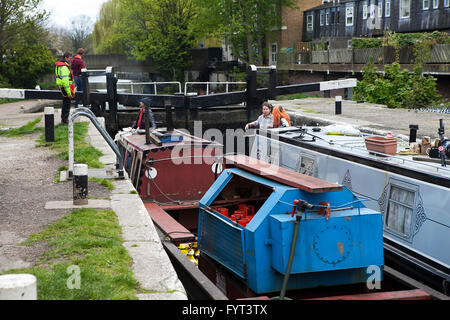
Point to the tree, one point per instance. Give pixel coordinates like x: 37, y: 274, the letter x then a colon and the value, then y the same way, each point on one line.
x: 104, y: 34
x: 158, y: 29
x: 23, y: 43
x: 80, y: 32
x: 16, y: 16
x: 243, y: 23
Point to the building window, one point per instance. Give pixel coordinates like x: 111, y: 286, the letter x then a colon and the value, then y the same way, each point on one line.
x: 380, y: 8
x: 321, y: 18
x: 372, y: 11
x: 435, y: 4
x: 364, y: 11
x: 309, y: 22
x: 405, y: 9
x: 399, y: 211
x: 327, y: 18
x: 446, y: 3
x: 349, y: 16
x: 273, y: 53
x: 426, y: 4
x: 387, y: 8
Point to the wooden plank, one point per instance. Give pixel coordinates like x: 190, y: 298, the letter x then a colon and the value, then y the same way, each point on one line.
x: 415, y: 294
x: 168, y: 225
x: 282, y: 175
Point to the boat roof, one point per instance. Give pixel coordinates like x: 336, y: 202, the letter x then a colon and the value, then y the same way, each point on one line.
x: 355, y: 145
x: 138, y: 141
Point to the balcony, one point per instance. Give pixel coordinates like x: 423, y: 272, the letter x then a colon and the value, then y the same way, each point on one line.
x: 353, y: 60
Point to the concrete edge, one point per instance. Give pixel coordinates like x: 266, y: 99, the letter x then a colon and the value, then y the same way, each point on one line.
x: 151, y: 265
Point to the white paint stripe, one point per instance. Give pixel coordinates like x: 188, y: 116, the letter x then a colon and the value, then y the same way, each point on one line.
x: 12, y: 93
x: 80, y: 169
x: 337, y: 84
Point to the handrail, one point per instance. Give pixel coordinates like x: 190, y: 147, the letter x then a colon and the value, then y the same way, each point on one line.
x: 155, y: 83
x: 211, y: 82
x: 83, y: 111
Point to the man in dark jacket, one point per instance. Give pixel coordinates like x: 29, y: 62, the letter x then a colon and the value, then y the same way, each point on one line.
x: 76, y: 66
x: 140, y: 121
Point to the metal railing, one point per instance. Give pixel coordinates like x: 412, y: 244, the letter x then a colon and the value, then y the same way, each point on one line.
x: 208, y: 83
x: 155, y: 84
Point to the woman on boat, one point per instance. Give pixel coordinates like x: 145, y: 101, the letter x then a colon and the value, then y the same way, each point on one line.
x: 264, y: 121
x: 280, y: 117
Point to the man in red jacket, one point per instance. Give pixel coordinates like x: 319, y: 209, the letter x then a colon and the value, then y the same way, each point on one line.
x: 76, y: 66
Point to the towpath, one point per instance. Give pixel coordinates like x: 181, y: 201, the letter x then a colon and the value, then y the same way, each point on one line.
x: 31, y: 199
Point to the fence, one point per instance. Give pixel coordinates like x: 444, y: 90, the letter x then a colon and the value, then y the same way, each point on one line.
x: 440, y: 54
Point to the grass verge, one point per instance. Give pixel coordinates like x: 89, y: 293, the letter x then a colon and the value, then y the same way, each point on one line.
x: 29, y: 128
x: 85, y: 259
x: 83, y: 152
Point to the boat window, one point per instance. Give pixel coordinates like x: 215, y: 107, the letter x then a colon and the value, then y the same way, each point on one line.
x: 305, y: 165
x: 399, y: 212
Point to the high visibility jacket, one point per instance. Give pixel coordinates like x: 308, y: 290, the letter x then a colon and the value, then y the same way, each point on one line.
x: 64, y: 78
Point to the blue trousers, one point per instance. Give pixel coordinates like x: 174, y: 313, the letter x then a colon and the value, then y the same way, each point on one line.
x: 79, y: 84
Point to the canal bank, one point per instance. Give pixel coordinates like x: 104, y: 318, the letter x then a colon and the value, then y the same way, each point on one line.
x: 31, y: 199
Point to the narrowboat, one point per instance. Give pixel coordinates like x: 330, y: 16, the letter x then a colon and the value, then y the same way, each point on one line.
x: 413, y: 195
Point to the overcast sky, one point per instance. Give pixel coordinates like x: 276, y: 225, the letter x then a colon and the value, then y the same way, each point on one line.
x: 63, y: 12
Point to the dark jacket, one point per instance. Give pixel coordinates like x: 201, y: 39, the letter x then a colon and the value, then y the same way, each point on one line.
x: 77, y: 65
x: 140, y: 120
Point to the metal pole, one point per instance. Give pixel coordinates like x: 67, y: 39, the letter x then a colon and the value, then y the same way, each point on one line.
x: 49, y: 113
x: 251, y: 92
x: 71, y: 151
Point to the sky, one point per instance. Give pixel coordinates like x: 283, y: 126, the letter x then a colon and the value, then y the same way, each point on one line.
x: 63, y: 12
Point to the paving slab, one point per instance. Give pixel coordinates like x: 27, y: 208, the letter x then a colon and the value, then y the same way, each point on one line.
x: 92, y: 204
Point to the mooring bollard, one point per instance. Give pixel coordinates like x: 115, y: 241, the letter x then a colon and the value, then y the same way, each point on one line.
x: 338, y: 105
x: 80, y: 184
x: 18, y: 287
x: 49, y: 113
x: 413, y: 132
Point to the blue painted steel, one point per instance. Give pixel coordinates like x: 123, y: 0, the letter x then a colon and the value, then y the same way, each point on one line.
x: 328, y: 252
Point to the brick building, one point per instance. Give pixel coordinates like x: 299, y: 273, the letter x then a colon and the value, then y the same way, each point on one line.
x: 291, y: 29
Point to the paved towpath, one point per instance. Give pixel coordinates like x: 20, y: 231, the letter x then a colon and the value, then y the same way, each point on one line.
x: 30, y: 199
x: 367, y: 116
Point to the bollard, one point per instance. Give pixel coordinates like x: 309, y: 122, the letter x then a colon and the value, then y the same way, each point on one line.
x: 18, y: 287
x: 80, y: 184
x: 413, y: 132
x: 338, y: 105
x: 49, y: 113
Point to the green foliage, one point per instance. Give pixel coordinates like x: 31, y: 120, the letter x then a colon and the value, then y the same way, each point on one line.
x: 243, y: 24
x: 365, y: 43
x: 24, y: 65
x: 397, y: 88
x: 161, y: 30
x: 83, y: 152
x: 23, y: 43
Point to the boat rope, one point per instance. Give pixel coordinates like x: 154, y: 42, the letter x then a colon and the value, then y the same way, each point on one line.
x: 339, y: 207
